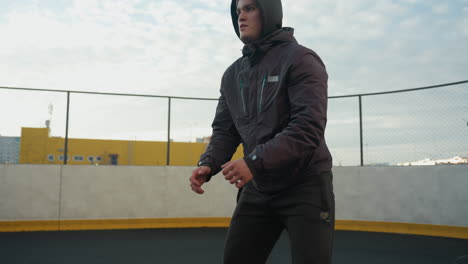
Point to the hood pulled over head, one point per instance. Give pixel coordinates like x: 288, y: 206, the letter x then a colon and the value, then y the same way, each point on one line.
x: 272, y: 15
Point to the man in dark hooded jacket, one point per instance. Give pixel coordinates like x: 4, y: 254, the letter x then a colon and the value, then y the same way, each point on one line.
x: 273, y: 101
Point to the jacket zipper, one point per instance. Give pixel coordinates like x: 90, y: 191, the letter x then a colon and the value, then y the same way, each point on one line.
x: 242, y: 95
x: 261, y: 94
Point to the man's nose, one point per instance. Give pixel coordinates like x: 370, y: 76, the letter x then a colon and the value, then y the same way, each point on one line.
x: 241, y: 17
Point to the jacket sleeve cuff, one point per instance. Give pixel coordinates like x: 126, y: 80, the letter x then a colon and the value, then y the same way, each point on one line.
x: 207, y: 165
x: 251, y: 164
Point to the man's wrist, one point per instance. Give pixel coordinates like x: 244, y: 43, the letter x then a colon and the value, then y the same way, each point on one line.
x: 250, y: 163
x: 206, y: 164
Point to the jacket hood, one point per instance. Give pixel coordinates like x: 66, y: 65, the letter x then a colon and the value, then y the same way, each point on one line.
x: 272, y: 15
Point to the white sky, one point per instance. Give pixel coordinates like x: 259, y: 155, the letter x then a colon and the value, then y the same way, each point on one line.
x: 182, y: 47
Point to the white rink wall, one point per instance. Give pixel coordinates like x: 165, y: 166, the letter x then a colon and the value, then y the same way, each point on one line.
x: 425, y: 195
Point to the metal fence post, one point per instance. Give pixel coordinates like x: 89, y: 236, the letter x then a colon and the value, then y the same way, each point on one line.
x: 168, y: 151
x: 65, y: 154
x: 360, y: 130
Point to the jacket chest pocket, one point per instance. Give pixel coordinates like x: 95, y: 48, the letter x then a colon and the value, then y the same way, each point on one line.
x: 269, y: 89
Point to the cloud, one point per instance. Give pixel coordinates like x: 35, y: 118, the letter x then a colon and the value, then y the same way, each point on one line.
x: 441, y: 8
x: 167, y: 46
x: 97, y: 45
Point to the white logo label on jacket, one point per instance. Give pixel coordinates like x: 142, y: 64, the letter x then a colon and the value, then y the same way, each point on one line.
x: 273, y: 78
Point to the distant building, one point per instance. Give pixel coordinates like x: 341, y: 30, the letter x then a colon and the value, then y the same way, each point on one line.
x: 381, y: 164
x: 38, y: 147
x: 424, y: 162
x: 203, y: 140
x: 454, y: 160
x: 9, y: 150
x: 428, y: 162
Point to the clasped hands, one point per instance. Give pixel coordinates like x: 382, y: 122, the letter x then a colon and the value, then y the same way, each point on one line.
x: 236, y: 172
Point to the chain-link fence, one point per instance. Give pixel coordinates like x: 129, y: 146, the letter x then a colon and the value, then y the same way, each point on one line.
x: 429, y: 123
x: 73, y: 127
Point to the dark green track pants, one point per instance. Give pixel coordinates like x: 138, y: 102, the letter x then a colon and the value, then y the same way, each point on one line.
x: 306, y: 212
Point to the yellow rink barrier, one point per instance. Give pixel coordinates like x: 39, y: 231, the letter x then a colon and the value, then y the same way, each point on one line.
x: 403, y: 228
x: 105, y: 224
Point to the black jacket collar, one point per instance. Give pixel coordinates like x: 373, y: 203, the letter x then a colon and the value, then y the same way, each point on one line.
x: 257, y: 49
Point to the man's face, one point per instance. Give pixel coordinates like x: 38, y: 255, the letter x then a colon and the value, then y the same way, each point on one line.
x: 249, y: 21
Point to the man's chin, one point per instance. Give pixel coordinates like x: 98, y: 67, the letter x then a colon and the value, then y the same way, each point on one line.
x: 245, y: 39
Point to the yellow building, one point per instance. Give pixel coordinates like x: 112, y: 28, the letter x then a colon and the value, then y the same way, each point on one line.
x: 37, y: 147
